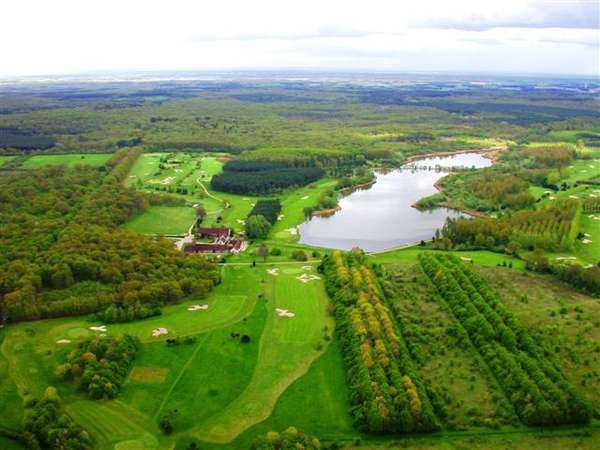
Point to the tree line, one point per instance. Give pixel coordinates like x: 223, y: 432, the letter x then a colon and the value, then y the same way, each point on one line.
x: 387, y: 393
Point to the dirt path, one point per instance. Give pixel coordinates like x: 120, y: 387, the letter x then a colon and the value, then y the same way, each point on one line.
x: 208, y: 194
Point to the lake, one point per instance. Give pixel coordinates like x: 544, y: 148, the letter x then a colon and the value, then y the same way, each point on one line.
x: 381, y: 217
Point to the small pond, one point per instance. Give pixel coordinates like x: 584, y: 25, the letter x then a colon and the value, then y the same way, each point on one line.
x: 381, y: 217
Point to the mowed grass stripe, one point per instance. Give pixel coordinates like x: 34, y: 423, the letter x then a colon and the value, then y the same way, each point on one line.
x: 110, y: 421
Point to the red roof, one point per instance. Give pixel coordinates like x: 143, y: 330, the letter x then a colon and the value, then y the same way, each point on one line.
x: 217, y: 232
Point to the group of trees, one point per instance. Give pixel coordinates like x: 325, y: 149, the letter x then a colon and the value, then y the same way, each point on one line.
x: 387, y: 393
x: 582, y: 278
x: 119, y: 313
x: 553, y: 228
x: 262, y: 217
x: 290, y: 439
x: 262, y: 177
x: 99, y: 365
x: 48, y: 427
x: 269, y: 209
x: 523, y: 366
x: 62, y: 251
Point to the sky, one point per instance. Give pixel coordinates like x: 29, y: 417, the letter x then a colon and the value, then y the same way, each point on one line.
x: 41, y: 37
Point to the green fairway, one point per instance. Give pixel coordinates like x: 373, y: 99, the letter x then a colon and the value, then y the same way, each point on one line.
x: 87, y: 159
x: 287, y: 348
x: 163, y: 220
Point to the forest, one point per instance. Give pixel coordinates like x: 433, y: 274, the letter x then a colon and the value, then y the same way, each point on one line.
x: 64, y: 253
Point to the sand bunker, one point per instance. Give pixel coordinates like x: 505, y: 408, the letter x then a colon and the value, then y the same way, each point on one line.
x: 305, y: 197
x: 562, y: 258
x: 241, y: 222
x: 586, y: 241
x: 292, y: 230
x: 305, y: 277
x: 158, y: 331
x: 167, y: 180
x: 284, y: 313
x: 306, y: 267
x: 63, y: 341
x: 101, y: 328
x: 464, y: 258
x: 573, y: 196
x: 197, y: 308
x: 552, y: 198
x: 280, y: 216
x: 274, y: 271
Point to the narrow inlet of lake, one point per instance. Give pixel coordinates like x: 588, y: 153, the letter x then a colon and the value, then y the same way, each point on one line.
x: 381, y: 217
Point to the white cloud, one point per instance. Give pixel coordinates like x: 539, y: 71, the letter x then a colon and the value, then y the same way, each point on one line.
x: 62, y: 36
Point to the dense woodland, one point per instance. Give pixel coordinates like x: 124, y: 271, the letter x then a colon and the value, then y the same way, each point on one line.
x: 252, y: 177
x: 63, y: 253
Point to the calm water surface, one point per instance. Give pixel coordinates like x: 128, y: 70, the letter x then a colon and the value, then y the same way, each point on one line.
x: 382, y: 217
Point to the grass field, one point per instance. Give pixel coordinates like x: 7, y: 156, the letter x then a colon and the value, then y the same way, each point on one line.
x: 163, y: 220
x: 5, y: 159
x: 88, y: 159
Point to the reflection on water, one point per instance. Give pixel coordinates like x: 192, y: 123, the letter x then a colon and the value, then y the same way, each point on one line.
x: 382, y: 217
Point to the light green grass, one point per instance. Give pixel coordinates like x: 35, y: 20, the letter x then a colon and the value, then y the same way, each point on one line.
x: 163, y: 220
x: 86, y: 159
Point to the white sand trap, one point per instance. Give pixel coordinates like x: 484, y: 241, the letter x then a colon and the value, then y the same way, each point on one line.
x: 588, y: 266
x: 274, y: 271
x: 586, y: 241
x: 593, y: 195
x: 464, y: 258
x: 284, y: 313
x: 305, y: 277
x: 197, y: 308
x: 292, y: 230
x: 63, y: 341
x: 561, y: 258
x: 552, y: 198
x: 306, y: 267
x: 305, y: 197
x: 158, y: 331
x: 547, y: 192
x: 573, y: 196
x: 241, y: 222
x: 587, y: 234
x: 101, y: 328
x: 280, y: 216
x: 591, y: 166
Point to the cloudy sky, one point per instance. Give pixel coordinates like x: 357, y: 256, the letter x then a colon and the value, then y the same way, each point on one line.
x: 519, y: 36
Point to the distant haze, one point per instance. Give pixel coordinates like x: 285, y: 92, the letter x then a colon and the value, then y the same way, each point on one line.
x: 518, y: 36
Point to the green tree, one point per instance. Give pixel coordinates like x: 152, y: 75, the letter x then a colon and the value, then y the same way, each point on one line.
x: 257, y: 227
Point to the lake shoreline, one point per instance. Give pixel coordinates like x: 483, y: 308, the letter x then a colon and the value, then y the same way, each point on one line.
x: 490, y: 153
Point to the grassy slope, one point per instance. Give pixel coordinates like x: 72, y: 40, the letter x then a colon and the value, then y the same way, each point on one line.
x: 90, y: 159
x: 163, y: 220
x: 4, y: 159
